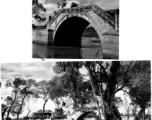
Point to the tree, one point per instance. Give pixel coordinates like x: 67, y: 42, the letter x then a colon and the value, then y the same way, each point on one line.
x: 12, y: 106
x: 43, y: 93
x: 73, y: 4
x: 107, y: 78
x: 36, y: 9
x: 34, y: 2
x: 28, y: 97
x: 16, y: 107
x: 118, y: 76
x: 72, y: 85
x: 16, y: 86
x: 64, y: 2
x: 62, y: 5
x: 58, y: 4
x: 26, y: 91
x: 56, y: 92
x: 140, y: 92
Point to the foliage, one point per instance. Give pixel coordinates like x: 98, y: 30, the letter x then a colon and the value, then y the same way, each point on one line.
x: 73, y: 4
x: 56, y: 89
x: 62, y: 5
x: 140, y: 91
x: 73, y: 85
x: 41, y: 89
x: 37, y: 8
x: 24, y: 93
x: 59, y: 113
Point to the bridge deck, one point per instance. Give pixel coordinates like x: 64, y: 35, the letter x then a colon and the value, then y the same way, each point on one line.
x: 99, y: 11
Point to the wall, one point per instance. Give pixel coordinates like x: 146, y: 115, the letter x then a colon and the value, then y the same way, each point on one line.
x: 40, y: 36
x: 110, y: 46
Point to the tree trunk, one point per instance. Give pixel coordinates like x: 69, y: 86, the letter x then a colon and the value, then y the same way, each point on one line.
x: 94, y: 93
x: 28, y: 114
x: 103, y: 104
x: 11, y: 106
x: 112, y: 112
x: 21, y: 107
x: 3, y: 113
x: 9, y: 110
x: 143, y: 113
x: 139, y: 115
x: 44, y: 108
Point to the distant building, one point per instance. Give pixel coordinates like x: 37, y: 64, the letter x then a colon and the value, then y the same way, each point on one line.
x: 38, y: 115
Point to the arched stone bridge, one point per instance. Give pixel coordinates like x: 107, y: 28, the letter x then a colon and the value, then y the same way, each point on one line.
x: 67, y: 26
x: 83, y: 115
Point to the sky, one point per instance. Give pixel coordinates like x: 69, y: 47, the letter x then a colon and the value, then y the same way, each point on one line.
x: 37, y: 71
x: 105, y: 4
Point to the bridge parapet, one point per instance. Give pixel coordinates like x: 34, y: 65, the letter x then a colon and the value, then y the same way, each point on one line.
x: 70, y: 10
x: 104, y: 15
x: 96, y: 9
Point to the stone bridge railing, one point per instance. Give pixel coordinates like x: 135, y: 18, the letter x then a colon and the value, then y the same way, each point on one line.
x: 96, y: 9
x: 104, y: 15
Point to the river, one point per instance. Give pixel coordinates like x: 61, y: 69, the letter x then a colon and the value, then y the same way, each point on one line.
x: 87, y: 52
x: 90, y: 49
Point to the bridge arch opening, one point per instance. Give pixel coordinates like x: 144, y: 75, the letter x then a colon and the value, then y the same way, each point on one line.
x: 89, y: 114
x: 70, y: 32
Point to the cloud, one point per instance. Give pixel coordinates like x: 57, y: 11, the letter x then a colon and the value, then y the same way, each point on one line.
x: 104, y: 3
x: 35, y: 71
x: 108, y: 4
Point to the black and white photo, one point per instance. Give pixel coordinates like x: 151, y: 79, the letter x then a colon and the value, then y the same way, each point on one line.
x: 97, y: 90
x: 76, y: 29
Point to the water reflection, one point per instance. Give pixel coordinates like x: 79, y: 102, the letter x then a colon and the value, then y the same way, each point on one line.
x: 41, y: 51
x: 90, y: 47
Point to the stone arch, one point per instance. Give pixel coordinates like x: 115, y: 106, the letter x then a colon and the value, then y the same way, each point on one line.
x: 68, y: 26
x: 84, y: 114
